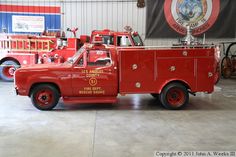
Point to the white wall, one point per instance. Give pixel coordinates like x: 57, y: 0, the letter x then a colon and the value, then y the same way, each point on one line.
x: 88, y: 15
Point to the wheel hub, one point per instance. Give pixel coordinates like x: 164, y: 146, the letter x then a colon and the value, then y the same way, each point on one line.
x: 12, y: 70
x: 175, y: 97
x: 44, y: 98
x: 9, y: 71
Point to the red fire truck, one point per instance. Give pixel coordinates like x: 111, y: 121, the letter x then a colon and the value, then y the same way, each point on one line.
x: 21, y: 50
x: 97, y: 73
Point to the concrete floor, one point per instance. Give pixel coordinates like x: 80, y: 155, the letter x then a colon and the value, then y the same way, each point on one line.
x: 134, y: 127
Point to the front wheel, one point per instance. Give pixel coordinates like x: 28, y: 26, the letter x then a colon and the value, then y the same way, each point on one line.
x: 174, y: 96
x: 7, y: 70
x: 45, y: 97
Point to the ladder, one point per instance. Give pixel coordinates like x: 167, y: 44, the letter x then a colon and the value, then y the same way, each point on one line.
x: 26, y: 45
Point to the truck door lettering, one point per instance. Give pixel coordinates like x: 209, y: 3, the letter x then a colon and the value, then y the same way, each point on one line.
x: 92, y: 90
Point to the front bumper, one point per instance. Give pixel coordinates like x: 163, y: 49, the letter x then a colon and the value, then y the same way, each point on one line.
x: 16, y: 90
x: 20, y: 91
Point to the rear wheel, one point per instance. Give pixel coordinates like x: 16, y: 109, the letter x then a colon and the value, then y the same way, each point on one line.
x: 226, y: 67
x: 8, y: 69
x: 174, y: 96
x: 45, y: 97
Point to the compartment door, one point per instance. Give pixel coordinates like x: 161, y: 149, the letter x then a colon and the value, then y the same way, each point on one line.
x: 136, y: 71
x: 205, y: 73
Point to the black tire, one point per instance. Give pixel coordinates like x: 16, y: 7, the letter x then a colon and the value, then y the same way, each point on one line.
x: 174, y: 96
x: 226, y: 67
x: 7, y: 70
x: 44, y: 97
x: 155, y: 95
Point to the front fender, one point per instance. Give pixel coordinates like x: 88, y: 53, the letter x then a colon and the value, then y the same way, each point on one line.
x: 63, y: 83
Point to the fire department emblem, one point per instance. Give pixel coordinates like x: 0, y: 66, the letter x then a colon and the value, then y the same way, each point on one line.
x: 199, y: 14
x: 93, y: 81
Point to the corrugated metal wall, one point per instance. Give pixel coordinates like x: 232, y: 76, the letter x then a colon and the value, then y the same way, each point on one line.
x: 88, y: 15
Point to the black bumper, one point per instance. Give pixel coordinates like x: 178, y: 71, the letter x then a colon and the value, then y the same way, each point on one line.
x: 16, y: 90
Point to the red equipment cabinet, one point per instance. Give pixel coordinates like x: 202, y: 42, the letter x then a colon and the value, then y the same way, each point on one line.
x: 168, y: 73
x: 21, y: 50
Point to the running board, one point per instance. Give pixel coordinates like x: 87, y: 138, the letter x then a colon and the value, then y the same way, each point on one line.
x: 74, y: 100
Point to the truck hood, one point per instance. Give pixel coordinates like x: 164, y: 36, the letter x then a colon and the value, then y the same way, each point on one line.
x: 44, y: 67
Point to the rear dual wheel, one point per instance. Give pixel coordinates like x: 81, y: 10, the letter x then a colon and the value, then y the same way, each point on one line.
x: 174, y: 96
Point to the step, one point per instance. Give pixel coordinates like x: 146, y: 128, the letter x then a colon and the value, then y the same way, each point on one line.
x: 74, y: 100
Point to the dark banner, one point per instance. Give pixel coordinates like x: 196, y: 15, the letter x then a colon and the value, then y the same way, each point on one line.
x: 169, y: 18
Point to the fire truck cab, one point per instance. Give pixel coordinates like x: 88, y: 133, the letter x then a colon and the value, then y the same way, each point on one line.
x: 97, y: 73
x: 119, y: 39
x: 53, y: 47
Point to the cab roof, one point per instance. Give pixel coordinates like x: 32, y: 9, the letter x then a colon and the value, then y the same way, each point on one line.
x: 109, y: 32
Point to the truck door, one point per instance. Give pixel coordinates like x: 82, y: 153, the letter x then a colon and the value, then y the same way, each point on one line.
x: 95, y: 74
